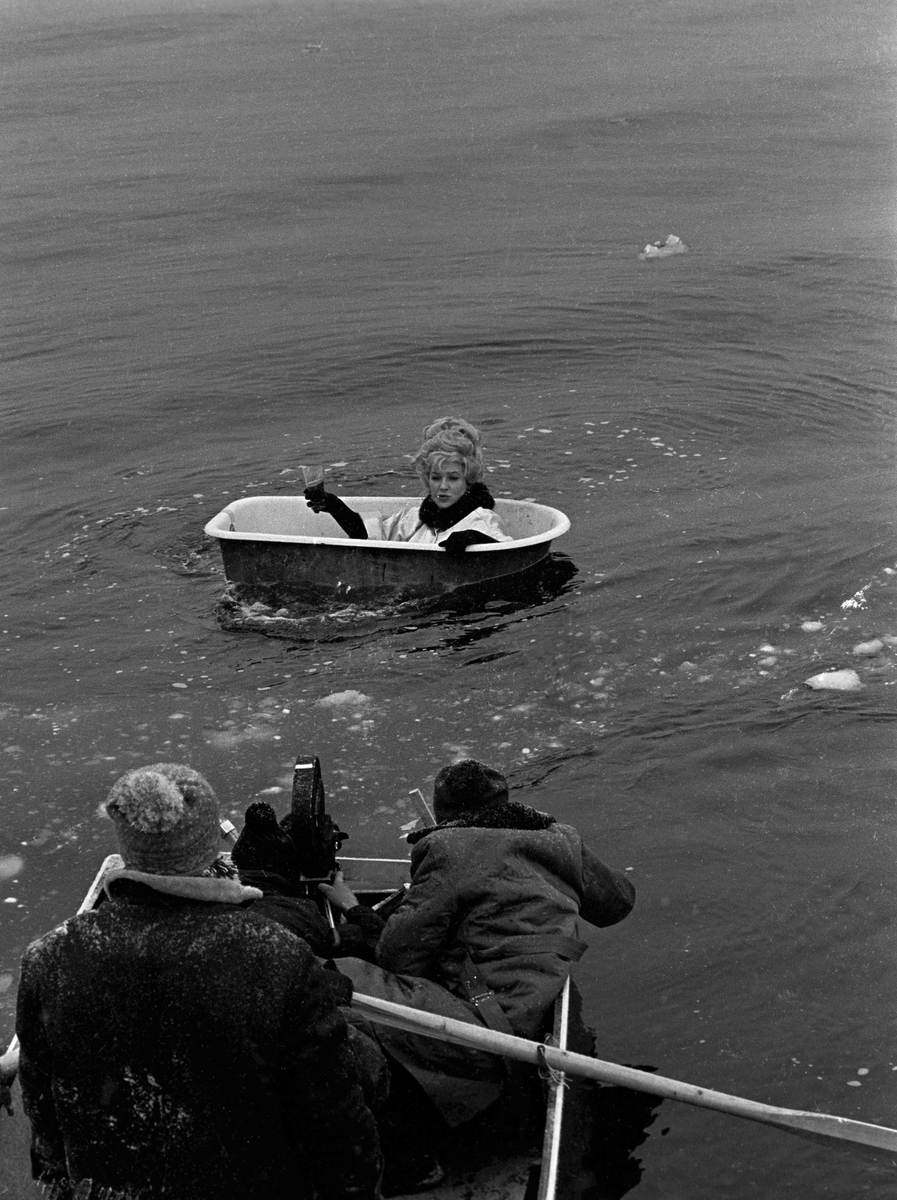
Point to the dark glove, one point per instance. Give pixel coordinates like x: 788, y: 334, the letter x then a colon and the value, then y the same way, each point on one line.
x: 457, y: 543
x: 318, y: 499
x: 347, y: 519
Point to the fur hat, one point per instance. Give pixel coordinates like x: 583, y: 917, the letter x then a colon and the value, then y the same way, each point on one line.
x: 166, y: 819
x: 466, y: 786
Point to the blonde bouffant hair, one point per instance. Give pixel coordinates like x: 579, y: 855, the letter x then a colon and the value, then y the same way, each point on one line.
x: 450, y: 438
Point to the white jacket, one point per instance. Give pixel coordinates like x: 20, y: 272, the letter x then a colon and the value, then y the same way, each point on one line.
x: 406, y: 526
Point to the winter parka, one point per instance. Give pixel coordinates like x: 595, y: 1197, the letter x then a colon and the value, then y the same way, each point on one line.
x: 504, y: 885
x: 178, y: 1049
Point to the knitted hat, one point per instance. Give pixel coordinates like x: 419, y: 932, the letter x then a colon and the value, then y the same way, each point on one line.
x: 166, y: 819
x: 466, y: 786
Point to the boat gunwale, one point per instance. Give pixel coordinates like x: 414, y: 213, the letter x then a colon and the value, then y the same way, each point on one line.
x: 211, y: 529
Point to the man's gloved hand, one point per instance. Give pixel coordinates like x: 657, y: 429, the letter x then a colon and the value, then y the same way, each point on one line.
x: 457, y: 543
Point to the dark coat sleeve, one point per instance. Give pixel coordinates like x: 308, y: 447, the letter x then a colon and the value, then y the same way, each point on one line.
x: 351, y: 522
x: 608, y: 895
x: 360, y: 933
x: 414, y: 936
x: 302, y: 917
x: 36, y: 1079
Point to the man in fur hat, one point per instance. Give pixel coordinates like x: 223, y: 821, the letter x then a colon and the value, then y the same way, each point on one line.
x: 487, y: 932
x: 174, y: 1044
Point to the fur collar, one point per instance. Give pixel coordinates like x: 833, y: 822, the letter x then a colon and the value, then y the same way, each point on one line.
x: 187, y: 887
x: 506, y: 815
x: 440, y: 519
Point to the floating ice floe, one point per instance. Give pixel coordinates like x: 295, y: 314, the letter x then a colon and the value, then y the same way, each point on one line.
x: 11, y: 865
x: 337, y: 699
x: 233, y: 736
x: 836, y: 681
x: 869, y: 649
x: 663, y: 249
x: 811, y: 626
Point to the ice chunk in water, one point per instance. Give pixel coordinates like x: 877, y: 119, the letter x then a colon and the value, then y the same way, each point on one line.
x: 869, y: 649
x: 838, y: 681
x: 11, y: 865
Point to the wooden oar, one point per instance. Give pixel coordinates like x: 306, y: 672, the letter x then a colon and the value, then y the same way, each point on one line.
x: 476, y: 1037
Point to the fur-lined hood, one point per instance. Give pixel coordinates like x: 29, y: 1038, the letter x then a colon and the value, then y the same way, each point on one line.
x: 509, y: 814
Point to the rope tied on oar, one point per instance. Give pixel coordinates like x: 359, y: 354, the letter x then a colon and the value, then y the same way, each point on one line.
x: 546, y: 1071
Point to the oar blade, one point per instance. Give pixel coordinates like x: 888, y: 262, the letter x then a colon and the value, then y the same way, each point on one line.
x: 822, y: 1127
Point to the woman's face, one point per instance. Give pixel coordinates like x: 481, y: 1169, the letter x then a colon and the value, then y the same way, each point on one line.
x: 447, y: 482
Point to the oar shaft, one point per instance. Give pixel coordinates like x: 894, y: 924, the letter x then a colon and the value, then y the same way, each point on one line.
x: 421, y: 805
x: 475, y: 1037
x: 400, y: 862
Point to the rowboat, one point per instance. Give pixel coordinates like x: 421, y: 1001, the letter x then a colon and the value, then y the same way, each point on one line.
x: 506, y: 1171
x: 499, y: 1165
x: 277, y: 541
x: 505, y: 1166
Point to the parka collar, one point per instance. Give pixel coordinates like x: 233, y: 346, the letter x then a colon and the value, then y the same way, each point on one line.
x: 506, y: 815
x: 186, y: 887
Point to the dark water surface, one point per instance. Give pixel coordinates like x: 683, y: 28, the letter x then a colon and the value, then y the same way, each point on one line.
x: 238, y: 236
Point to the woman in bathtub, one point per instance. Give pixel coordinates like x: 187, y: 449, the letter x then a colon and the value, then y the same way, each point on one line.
x: 458, y: 509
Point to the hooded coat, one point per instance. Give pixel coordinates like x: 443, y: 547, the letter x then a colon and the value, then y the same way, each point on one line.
x: 179, y: 1049
x: 502, y: 887
x: 506, y: 886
